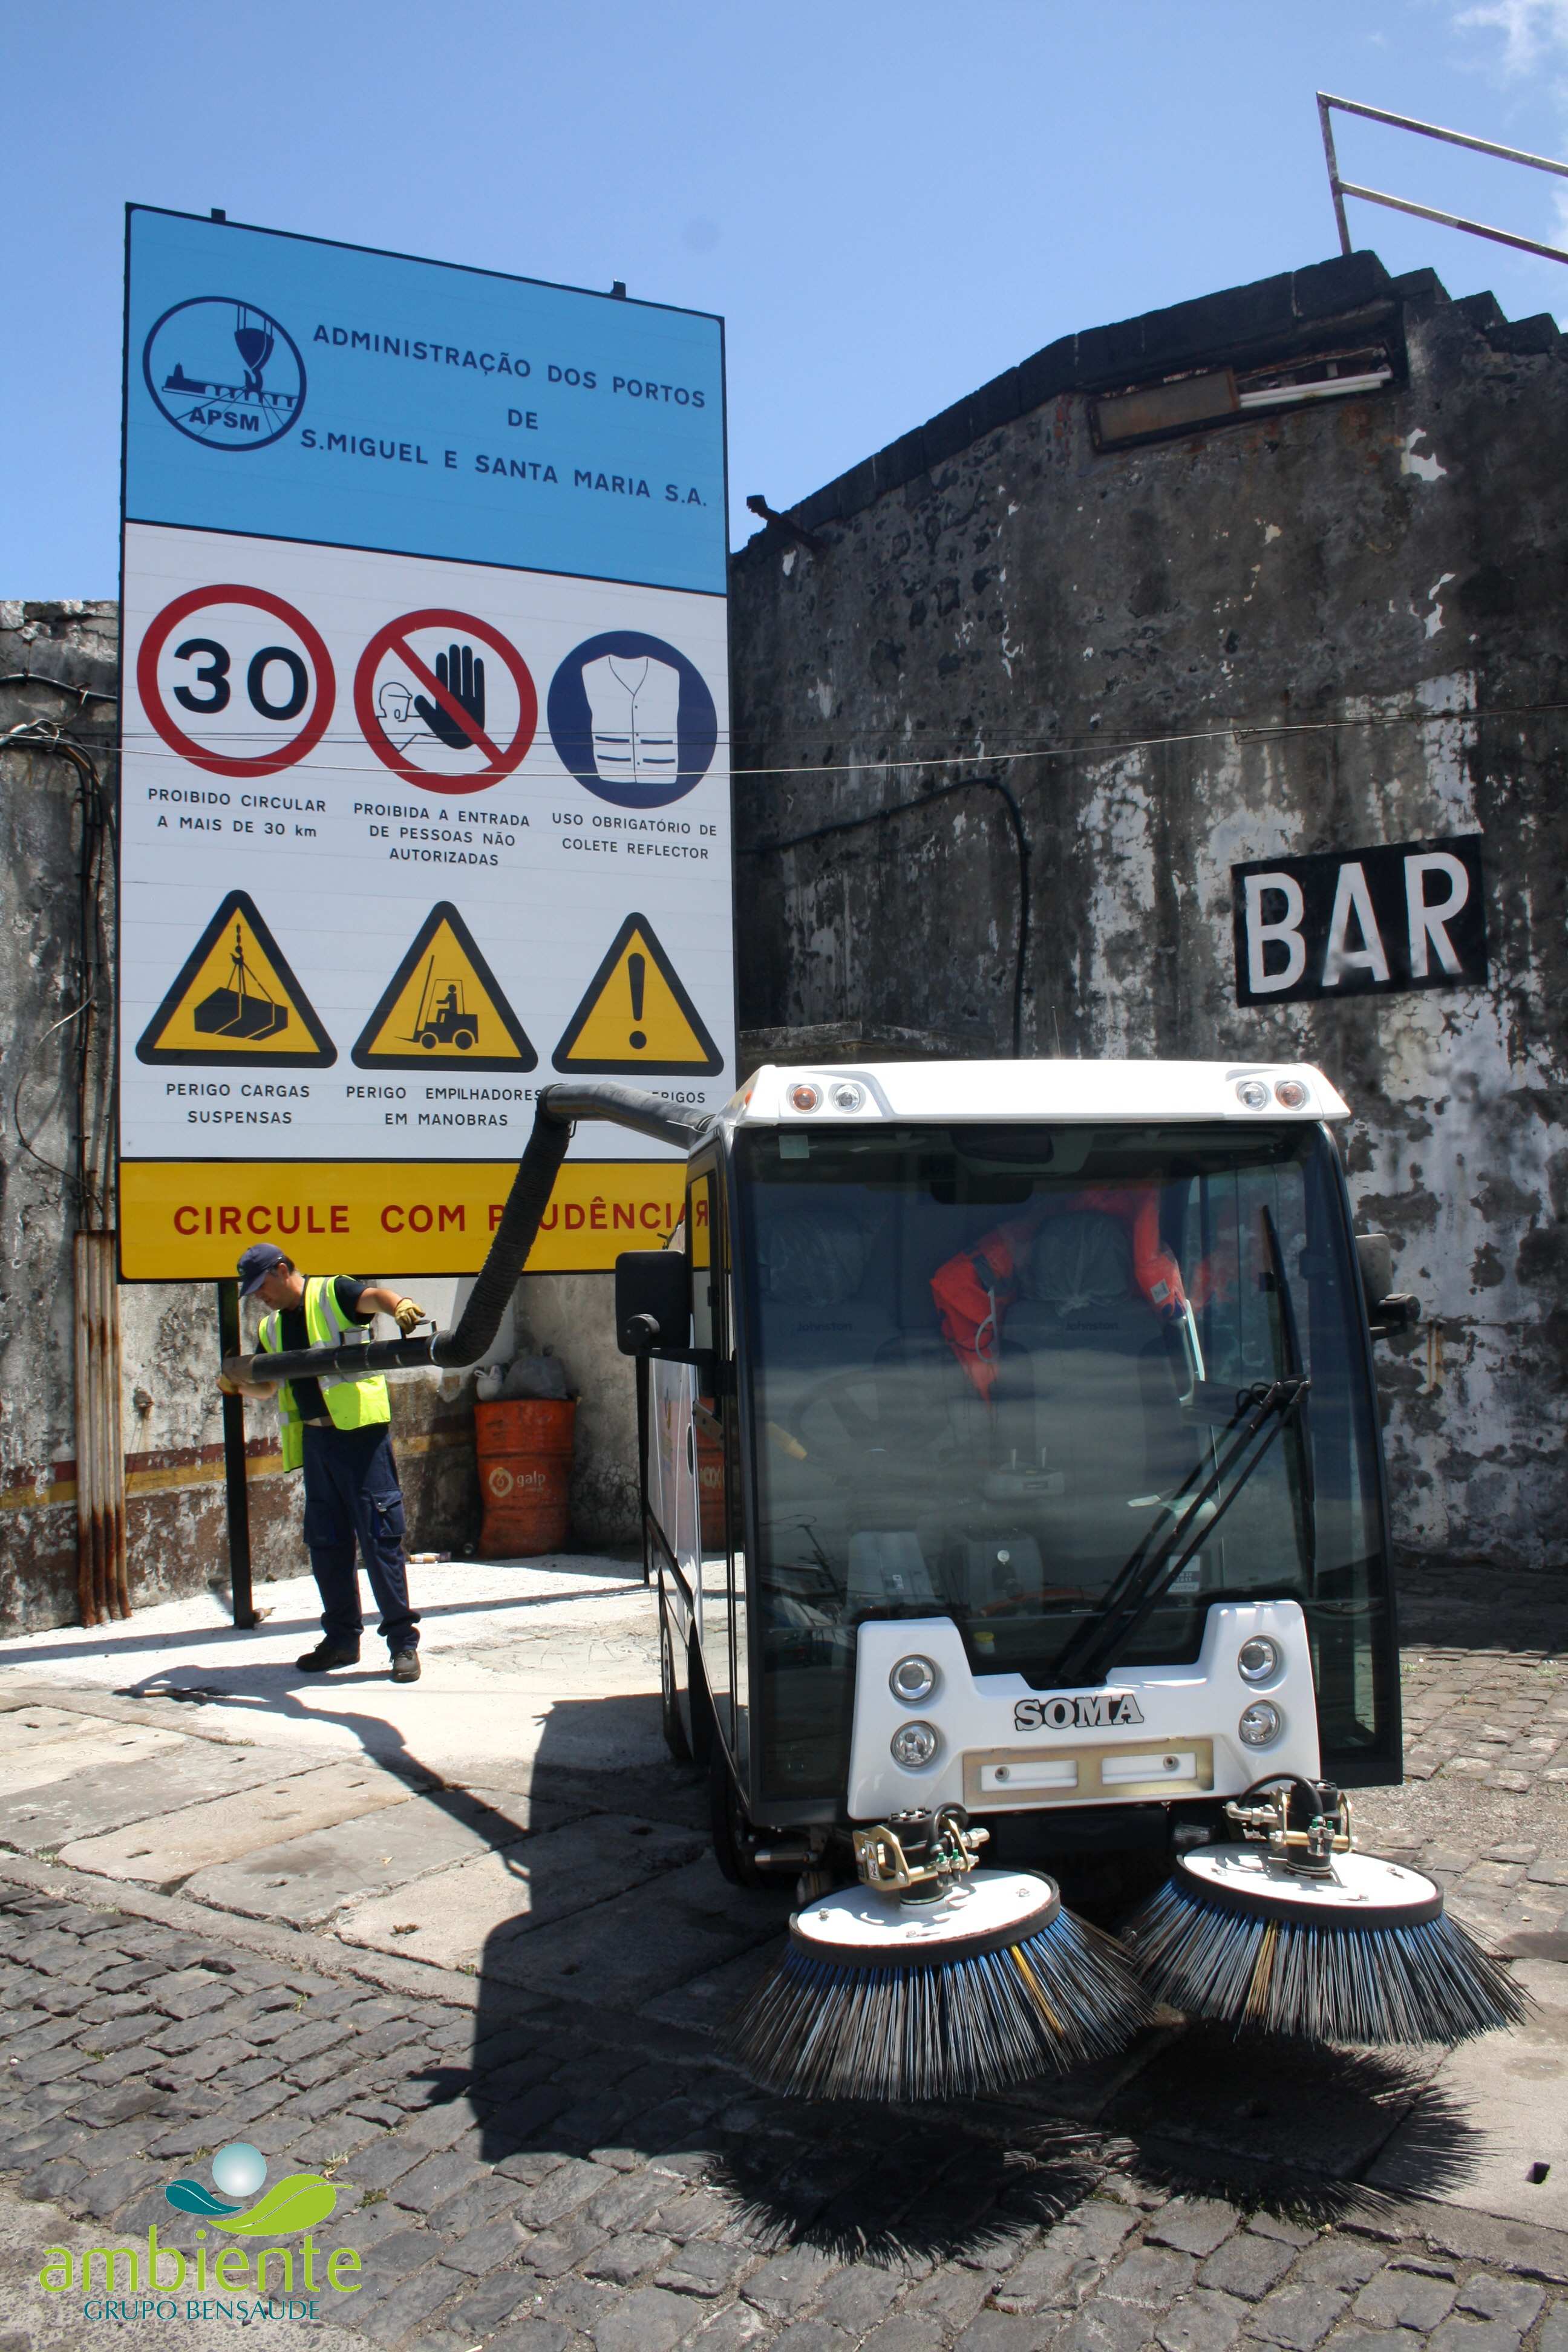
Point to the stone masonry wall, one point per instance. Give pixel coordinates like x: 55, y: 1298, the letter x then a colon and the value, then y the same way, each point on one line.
x: 1319, y: 629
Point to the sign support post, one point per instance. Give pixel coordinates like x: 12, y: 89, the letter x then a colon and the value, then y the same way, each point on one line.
x: 236, y: 1493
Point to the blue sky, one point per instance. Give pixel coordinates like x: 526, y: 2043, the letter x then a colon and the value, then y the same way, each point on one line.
x: 888, y: 200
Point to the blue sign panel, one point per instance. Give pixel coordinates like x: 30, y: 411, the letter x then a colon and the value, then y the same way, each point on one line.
x: 287, y: 388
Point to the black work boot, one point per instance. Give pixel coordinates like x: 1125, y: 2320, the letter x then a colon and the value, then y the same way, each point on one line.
x: 406, y: 1665
x: 325, y: 1656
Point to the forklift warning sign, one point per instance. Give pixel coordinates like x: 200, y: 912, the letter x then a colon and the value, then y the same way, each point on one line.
x: 444, y: 1007
x: 424, y: 786
x: 234, y: 999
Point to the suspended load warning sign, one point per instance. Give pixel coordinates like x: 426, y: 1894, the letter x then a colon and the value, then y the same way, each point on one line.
x: 444, y: 1004
x: 636, y: 1016
x: 235, y: 1000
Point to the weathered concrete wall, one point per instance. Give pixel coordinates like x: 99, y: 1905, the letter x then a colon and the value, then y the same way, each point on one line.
x: 176, y: 1532
x: 173, y: 1437
x: 1383, y: 574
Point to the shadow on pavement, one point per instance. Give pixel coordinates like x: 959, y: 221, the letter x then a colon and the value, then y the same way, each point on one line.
x: 1294, y: 2125
x: 1471, y: 1603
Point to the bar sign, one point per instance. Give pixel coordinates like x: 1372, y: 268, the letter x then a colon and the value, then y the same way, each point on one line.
x: 1360, y: 922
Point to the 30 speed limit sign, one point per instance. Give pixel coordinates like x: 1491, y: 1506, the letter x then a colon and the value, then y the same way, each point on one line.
x: 235, y: 680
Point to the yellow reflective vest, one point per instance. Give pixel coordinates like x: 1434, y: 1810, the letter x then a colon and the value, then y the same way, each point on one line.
x: 354, y: 1401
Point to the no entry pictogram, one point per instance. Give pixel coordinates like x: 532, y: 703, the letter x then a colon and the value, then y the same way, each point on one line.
x: 279, y: 685
x: 464, y: 726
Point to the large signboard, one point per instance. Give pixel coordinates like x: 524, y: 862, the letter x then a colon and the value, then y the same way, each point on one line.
x: 425, y: 778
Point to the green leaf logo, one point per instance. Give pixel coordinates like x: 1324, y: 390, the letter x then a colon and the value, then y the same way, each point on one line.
x: 297, y: 2203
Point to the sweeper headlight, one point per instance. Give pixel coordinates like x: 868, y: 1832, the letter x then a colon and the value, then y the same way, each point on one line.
x: 913, y: 1744
x: 1257, y: 1660
x: 1260, y: 1724
x: 846, y: 1095
x: 1252, y: 1094
x: 912, y: 1679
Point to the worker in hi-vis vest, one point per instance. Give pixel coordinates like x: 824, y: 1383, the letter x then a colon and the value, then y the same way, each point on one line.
x: 337, y: 1429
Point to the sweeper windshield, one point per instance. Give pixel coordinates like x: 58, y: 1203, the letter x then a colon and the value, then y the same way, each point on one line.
x: 980, y: 1358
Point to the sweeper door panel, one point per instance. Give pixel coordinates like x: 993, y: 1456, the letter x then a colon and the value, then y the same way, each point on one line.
x: 715, y: 1443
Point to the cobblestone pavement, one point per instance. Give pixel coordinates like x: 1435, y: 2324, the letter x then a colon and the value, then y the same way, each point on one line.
x: 1485, y: 1804
x: 528, y: 2172
x: 514, y: 2176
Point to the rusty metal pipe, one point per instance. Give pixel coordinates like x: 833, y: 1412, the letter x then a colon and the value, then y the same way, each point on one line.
x: 102, y: 1585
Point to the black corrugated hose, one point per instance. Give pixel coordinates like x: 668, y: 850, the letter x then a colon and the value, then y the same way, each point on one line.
x: 555, y: 1113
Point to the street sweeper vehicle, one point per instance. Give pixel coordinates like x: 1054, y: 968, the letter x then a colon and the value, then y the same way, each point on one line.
x: 1013, y: 1490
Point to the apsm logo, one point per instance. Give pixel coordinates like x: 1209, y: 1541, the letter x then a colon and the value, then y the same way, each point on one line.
x: 217, y: 2281
x: 189, y: 361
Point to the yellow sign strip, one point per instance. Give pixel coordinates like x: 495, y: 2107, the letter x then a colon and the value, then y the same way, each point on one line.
x: 188, y: 1221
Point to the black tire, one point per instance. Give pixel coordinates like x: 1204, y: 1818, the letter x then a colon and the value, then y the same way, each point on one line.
x: 729, y: 1825
x: 675, y: 1738
x: 700, y: 1705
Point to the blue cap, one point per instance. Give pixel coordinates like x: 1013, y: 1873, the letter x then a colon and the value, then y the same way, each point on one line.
x: 255, y: 1264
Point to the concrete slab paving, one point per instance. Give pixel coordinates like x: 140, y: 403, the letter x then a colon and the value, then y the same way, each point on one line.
x: 1513, y: 2089
x: 556, y: 1656
x: 85, y: 1805
x: 167, y: 1849
x: 621, y: 1953
x: 305, y: 1879
x: 26, y: 1727
x: 461, y: 1918
x: 39, y: 1820
x: 57, y: 1746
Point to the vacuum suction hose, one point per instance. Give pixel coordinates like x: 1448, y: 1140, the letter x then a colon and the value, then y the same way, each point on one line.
x: 558, y: 1108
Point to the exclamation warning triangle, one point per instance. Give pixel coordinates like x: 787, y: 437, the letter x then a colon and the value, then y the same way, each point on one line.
x: 444, y: 1007
x: 236, y: 1000
x: 635, y: 1014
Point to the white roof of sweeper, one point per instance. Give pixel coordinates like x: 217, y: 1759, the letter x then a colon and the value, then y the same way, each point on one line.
x: 1036, y: 1092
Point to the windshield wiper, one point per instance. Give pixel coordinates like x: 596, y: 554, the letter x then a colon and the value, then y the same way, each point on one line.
x: 1154, y: 1564
x: 1290, y: 1337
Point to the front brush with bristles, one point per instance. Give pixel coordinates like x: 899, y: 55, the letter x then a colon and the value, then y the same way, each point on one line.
x: 1367, y: 1955
x: 878, y: 2000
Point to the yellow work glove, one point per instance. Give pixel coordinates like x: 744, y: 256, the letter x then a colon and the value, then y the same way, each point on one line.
x: 229, y: 1388
x: 405, y: 1314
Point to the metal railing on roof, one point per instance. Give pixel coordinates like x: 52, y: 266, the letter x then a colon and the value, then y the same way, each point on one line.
x: 1340, y: 189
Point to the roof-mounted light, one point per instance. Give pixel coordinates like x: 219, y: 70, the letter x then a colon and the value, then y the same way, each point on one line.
x: 805, y: 1097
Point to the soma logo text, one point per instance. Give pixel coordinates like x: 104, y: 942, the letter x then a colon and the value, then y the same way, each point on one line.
x: 1091, y: 1711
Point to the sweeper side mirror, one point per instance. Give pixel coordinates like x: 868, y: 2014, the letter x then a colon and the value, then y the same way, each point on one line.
x: 653, y: 1303
x: 1387, y: 1310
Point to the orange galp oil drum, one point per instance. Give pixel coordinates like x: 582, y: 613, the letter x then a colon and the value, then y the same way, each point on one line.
x: 524, y: 1449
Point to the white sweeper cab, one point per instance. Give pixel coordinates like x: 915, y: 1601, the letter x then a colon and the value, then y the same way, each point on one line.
x: 1013, y: 1491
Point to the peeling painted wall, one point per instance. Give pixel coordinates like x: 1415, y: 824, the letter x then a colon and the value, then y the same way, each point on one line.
x: 1377, y: 582
x: 176, y: 1530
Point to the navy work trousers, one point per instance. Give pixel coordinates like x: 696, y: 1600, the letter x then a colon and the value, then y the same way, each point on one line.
x: 352, y: 1492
